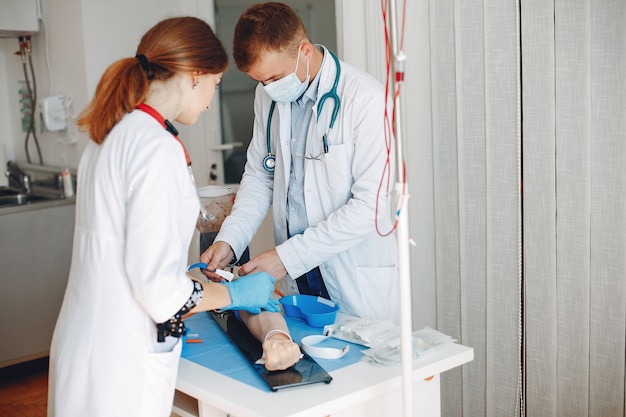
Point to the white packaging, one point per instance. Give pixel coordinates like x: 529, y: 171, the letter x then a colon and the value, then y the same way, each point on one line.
x: 53, y: 113
x: 68, y: 185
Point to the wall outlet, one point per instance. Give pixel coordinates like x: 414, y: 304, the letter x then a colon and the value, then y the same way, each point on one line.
x: 53, y: 112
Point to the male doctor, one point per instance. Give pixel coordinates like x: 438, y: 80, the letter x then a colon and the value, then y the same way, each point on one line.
x: 321, y: 173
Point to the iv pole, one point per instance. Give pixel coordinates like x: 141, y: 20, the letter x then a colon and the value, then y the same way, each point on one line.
x: 402, y: 232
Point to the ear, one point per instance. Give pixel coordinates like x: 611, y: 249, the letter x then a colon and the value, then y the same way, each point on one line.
x: 194, y: 75
x: 307, y: 48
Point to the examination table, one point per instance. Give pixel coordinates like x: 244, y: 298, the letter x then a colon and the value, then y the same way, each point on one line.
x: 214, y: 379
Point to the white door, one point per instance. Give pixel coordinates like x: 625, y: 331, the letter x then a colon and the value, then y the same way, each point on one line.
x: 237, y: 89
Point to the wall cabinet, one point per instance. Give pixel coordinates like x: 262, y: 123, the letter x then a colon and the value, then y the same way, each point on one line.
x: 19, y: 17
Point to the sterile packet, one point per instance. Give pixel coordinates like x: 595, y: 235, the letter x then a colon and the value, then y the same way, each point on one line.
x: 360, y: 331
x: 383, y: 338
x: 388, y: 352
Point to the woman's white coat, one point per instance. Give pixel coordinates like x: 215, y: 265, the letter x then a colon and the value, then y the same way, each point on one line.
x: 136, y: 209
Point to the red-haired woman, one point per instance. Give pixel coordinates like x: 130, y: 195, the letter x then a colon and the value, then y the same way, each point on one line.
x: 116, y: 344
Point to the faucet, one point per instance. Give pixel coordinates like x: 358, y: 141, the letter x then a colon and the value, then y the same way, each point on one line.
x: 26, y: 183
x: 17, y: 177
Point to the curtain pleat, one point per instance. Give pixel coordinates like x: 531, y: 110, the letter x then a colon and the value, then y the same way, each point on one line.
x: 503, y: 205
x: 572, y: 52
x: 472, y: 177
x: 445, y: 173
x: 607, y: 296
x: 539, y: 185
x: 476, y: 182
x: 574, y: 237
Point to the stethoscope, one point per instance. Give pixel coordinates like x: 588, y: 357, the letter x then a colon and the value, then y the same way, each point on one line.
x: 269, y: 162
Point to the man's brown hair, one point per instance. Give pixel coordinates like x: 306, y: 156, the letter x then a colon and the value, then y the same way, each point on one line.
x: 266, y: 27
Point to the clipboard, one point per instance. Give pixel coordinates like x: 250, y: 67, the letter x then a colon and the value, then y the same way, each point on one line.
x: 304, y: 372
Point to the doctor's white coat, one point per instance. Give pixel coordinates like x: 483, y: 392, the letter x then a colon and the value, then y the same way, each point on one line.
x: 358, y: 265
x: 135, y: 216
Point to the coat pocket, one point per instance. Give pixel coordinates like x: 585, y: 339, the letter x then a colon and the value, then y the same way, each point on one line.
x: 337, y: 166
x: 157, y: 391
x: 379, y: 289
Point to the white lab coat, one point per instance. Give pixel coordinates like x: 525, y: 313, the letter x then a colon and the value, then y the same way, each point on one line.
x: 359, y: 266
x: 135, y: 214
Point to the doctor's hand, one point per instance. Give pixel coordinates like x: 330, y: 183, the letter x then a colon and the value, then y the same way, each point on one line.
x: 217, y: 256
x: 268, y: 262
x: 252, y: 293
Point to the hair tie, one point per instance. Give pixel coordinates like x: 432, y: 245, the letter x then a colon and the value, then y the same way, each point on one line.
x: 145, y: 65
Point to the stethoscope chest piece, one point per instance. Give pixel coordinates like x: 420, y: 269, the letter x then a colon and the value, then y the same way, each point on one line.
x: 269, y: 163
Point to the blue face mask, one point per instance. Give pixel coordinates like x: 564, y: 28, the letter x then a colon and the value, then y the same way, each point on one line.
x: 289, y: 88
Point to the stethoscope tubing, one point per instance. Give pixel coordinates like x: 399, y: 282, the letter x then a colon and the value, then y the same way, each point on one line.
x: 269, y: 162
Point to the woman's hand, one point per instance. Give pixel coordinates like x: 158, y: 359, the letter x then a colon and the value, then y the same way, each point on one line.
x: 252, y: 293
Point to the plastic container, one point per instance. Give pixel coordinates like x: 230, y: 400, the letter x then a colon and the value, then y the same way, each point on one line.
x: 68, y: 184
x: 317, y: 311
x: 218, y: 202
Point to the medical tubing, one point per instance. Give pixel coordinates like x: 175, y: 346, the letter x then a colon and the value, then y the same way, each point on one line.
x: 332, y: 94
x: 268, y: 131
x: 386, y: 129
x: 403, y: 25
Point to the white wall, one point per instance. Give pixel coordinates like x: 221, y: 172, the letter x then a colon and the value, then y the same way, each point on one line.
x: 83, y: 38
x: 67, y: 64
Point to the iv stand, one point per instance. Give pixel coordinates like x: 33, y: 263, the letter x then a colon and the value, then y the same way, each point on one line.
x: 402, y: 231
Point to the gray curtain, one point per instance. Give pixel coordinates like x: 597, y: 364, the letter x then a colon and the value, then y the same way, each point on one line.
x: 496, y: 255
x: 574, y: 214
x: 464, y: 176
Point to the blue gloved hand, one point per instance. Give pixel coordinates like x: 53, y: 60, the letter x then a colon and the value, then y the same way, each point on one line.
x: 252, y: 293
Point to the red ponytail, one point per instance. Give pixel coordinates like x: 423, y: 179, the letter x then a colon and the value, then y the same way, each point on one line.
x: 172, y: 46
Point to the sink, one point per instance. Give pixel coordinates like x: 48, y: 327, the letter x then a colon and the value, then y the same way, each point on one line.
x: 10, y: 196
x: 19, y: 199
x: 31, y: 187
x: 9, y: 191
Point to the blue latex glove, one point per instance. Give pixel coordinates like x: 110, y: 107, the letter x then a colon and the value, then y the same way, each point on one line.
x: 252, y: 293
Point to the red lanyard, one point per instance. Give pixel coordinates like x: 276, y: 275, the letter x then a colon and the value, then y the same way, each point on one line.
x: 167, y: 125
x: 170, y: 128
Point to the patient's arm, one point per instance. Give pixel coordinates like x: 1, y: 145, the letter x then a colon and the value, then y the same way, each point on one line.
x: 271, y: 329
